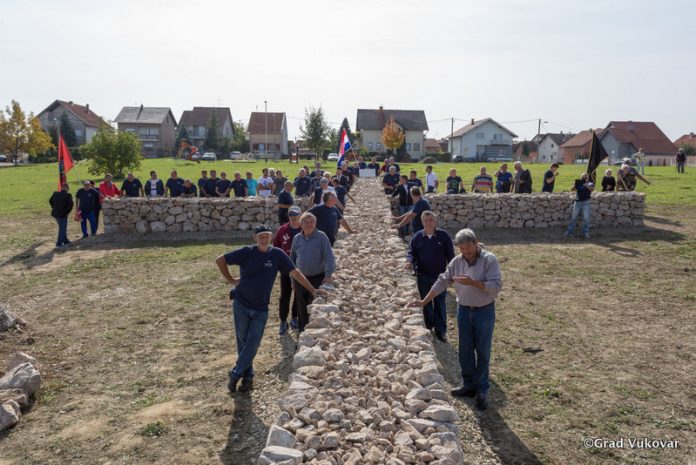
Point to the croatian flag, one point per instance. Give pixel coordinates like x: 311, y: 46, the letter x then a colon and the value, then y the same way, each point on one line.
x: 345, y: 148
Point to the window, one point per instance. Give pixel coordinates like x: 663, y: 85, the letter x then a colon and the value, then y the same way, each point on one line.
x: 408, y: 146
x: 262, y: 147
x: 495, y: 137
x: 130, y: 129
x: 369, y: 146
x: 480, y: 135
x: 78, y: 132
x: 378, y: 146
x: 416, y: 147
x: 148, y: 146
x: 199, y: 131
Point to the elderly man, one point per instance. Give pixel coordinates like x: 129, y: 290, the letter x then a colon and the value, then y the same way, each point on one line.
x: 283, y: 240
x: 238, y: 185
x: 258, y: 267
x: 285, y: 201
x: 626, y: 178
x: 429, y: 252
x: 583, y: 188
x: 390, y: 181
x: 414, y: 215
x: 132, y: 187
x: 522, y: 181
x: 312, y: 254
x: 483, y: 183
x: 476, y: 277
x: 328, y: 217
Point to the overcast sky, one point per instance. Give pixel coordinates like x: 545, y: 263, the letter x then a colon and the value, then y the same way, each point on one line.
x: 574, y: 64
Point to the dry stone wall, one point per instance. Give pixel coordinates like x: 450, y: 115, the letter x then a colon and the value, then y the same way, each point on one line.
x: 476, y: 211
x: 174, y: 215
x: 366, y: 387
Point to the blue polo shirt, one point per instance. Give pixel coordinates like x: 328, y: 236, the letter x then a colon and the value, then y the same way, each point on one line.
x: 201, y: 185
x: 327, y: 220
x: 88, y: 201
x: 302, y: 186
x: 239, y: 187
x: 341, y: 194
x: 222, y: 185
x: 175, y: 186
x: 209, y: 186
x: 257, y: 272
x: 132, y: 189
x: 430, y: 255
x: 418, y: 208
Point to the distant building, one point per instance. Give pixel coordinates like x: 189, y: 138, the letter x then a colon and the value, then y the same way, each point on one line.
x: 154, y: 126
x: 686, y: 139
x: 197, y: 122
x: 525, y: 150
x: 268, y: 133
x: 370, y: 123
x: 482, y: 140
x: 433, y: 146
x: 83, y: 120
x: 550, y: 147
x: 622, y: 139
x: 578, y: 146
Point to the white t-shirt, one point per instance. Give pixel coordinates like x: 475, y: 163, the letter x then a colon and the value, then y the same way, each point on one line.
x: 321, y: 199
x: 153, y: 187
x: 430, y: 179
x: 265, y: 181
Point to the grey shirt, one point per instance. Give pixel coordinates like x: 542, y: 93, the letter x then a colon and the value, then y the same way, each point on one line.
x: 313, y: 254
x: 485, y: 269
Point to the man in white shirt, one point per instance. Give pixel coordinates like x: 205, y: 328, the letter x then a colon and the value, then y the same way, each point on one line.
x: 431, y: 181
x: 265, y: 184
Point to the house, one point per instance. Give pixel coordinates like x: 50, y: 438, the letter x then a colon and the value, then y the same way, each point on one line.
x: 525, y: 150
x: 370, y: 124
x: 432, y: 146
x: 550, y: 147
x: 482, y: 140
x: 83, y: 120
x: 154, y: 126
x: 197, y: 122
x: 268, y: 133
x: 621, y: 139
x: 686, y: 139
x: 578, y: 146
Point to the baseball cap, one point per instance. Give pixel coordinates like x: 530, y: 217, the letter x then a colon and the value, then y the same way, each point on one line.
x: 324, y: 181
x: 294, y: 211
x: 262, y: 228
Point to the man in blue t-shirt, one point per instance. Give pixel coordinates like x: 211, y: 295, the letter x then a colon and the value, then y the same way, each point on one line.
x: 201, y: 183
x: 285, y: 201
x: 239, y: 185
x: 223, y: 186
x: 86, y: 202
x: 414, y: 216
x: 303, y: 185
x: 258, y: 267
x: 174, y: 185
x: 583, y: 188
x: 210, y: 185
x: 329, y: 217
x: 132, y: 187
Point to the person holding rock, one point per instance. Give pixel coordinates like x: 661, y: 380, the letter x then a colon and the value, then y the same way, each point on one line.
x: 429, y: 252
x: 328, y: 216
x: 583, y: 188
x: 414, y: 215
x: 475, y: 274
x: 258, y: 267
x: 312, y: 254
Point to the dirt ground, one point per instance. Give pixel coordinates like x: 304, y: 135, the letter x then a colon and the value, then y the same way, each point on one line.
x: 593, y: 339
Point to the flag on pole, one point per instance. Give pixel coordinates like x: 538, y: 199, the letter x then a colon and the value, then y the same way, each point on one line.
x: 597, y: 154
x: 65, y: 162
x: 345, y: 148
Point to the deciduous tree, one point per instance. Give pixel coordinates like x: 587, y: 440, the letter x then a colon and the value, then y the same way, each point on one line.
x: 21, y: 134
x: 240, y: 141
x: 212, y: 136
x: 392, y: 135
x: 112, y: 152
x: 315, y: 131
x: 67, y: 130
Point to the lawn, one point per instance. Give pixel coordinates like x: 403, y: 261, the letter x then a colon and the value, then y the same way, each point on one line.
x: 26, y: 189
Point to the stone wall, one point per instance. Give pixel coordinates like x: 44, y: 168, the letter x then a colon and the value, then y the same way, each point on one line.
x: 173, y: 215
x: 476, y: 211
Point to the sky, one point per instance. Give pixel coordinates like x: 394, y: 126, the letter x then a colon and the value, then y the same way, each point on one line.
x: 574, y: 65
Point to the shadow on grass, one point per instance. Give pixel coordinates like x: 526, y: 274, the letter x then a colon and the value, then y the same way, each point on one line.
x: 30, y: 253
x: 247, y: 435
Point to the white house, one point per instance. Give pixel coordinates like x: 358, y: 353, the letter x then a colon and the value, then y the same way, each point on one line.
x: 370, y: 123
x: 550, y: 150
x: 482, y: 140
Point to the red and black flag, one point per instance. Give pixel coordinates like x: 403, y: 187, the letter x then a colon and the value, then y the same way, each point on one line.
x: 597, y: 154
x: 65, y: 162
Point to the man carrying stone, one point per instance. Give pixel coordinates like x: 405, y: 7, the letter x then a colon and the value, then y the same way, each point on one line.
x: 583, y: 188
x: 283, y: 240
x: 328, y: 216
x: 312, y: 254
x: 626, y: 178
x: 429, y: 252
x: 61, y: 205
x: 414, y: 215
x: 475, y: 274
x: 285, y: 201
x: 258, y: 267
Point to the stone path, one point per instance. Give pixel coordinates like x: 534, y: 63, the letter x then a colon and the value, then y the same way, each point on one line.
x: 366, y: 387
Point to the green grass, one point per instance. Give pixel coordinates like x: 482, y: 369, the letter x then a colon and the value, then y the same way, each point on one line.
x: 25, y: 189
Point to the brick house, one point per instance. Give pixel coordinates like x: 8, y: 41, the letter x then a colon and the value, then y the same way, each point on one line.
x: 578, y: 146
x: 622, y: 139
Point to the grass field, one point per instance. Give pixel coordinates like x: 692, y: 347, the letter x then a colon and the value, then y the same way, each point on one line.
x: 593, y: 338
x: 25, y: 190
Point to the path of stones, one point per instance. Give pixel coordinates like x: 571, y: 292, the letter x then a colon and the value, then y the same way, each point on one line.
x: 366, y: 387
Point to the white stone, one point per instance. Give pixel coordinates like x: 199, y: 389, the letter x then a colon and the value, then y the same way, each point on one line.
x: 281, y: 437
x: 9, y: 415
x: 308, y: 356
x: 275, y: 454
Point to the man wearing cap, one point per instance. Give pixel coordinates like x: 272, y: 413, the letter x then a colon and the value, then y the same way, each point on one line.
x: 285, y: 201
x: 283, y: 240
x: 312, y: 254
x: 328, y: 217
x: 681, y: 161
x: 258, y: 267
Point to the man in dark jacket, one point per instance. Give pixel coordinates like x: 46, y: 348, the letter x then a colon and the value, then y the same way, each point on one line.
x: 522, y: 180
x: 61, y: 205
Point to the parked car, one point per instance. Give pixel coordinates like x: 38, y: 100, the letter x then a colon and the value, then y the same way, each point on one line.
x: 209, y: 156
x: 332, y: 157
x: 627, y: 161
x: 3, y: 159
x: 196, y: 156
x: 236, y: 155
x: 458, y: 158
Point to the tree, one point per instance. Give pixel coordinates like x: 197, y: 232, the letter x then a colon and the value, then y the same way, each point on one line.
x: 315, y: 131
x: 112, y: 152
x: 67, y: 130
x: 525, y: 150
x: 689, y: 150
x: 392, y: 135
x: 21, y: 134
x: 240, y: 141
x: 344, y: 125
x: 181, y: 134
x: 212, y: 136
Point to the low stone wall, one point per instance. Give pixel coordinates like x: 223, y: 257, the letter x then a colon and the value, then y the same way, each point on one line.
x: 476, y: 211
x: 173, y: 215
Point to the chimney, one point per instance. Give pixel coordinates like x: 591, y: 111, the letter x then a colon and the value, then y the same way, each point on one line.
x: 70, y: 102
x: 691, y: 134
x: 87, y: 107
x: 472, y: 121
x: 630, y: 126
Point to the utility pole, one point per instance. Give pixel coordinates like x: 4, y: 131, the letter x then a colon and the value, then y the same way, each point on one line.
x: 265, y: 136
x: 538, y: 131
x: 452, y: 140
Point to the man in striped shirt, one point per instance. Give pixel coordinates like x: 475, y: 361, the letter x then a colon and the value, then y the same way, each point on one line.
x: 483, y: 183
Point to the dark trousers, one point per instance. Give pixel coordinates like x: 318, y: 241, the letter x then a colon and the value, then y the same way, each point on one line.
x: 475, y: 340
x: 284, y: 301
x: 435, y: 313
x: 62, y: 231
x: 680, y: 167
x: 304, y: 299
x: 283, y: 217
x: 92, y: 218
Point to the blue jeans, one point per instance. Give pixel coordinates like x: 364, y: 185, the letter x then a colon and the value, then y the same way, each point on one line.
x: 62, y: 231
x: 435, y: 313
x: 92, y: 223
x: 249, y: 325
x: 584, y: 208
x: 403, y: 209
x: 475, y: 340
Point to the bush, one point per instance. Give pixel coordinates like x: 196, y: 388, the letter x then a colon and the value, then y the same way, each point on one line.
x: 441, y: 157
x: 402, y: 158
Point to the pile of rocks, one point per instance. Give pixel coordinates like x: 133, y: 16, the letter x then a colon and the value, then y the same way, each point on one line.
x: 17, y: 388
x: 174, y: 215
x: 9, y: 320
x: 609, y: 209
x: 366, y: 388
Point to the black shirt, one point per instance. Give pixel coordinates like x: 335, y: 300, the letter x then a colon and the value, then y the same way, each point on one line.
x: 87, y: 200
x: 453, y: 184
x: 285, y: 198
x: 548, y: 186
x: 222, y: 185
x: 583, y: 193
x: 391, y: 180
x: 189, y: 190
x: 327, y: 220
x: 209, y: 187
x: 132, y: 188
x: 404, y: 197
x: 239, y: 187
x: 61, y: 204
x: 174, y: 186
x: 302, y: 186
x: 201, y: 183
x: 608, y: 184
